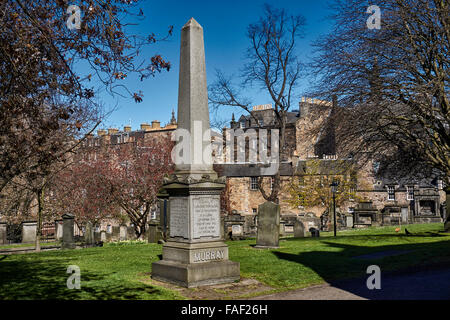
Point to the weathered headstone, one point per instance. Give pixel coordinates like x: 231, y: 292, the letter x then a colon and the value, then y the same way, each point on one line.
x: 123, y: 233
x: 103, y: 236
x: 236, y: 230
x: 299, y: 229
x: 89, y: 234
x: 3, y: 233
x: 115, y: 235
x: 315, y: 233
x: 154, y: 235
x: 29, y: 231
x: 163, y: 198
x: 195, y: 253
x: 349, y: 222
x: 268, y: 225
x: 58, y: 229
x: 68, y: 238
x: 131, y: 234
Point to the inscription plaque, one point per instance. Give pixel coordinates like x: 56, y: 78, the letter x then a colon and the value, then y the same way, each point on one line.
x: 179, y: 212
x: 209, y: 255
x: 206, y: 216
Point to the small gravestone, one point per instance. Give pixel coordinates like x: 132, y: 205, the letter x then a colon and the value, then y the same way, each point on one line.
x: 58, y: 229
x: 288, y: 228
x: 103, y: 236
x: 29, y: 231
x: 153, y: 232
x: 268, y: 225
x: 96, y: 236
x: 131, y: 234
x: 115, y: 233
x: 315, y: 233
x: 236, y: 230
x: 2, y: 233
x: 349, y: 222
x: 89, y: 234
x: 68, y: 238
x: 123, y: 233
x: 299, y: 229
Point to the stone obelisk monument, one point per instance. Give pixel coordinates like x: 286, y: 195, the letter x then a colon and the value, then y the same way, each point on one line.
x: 195, y: 253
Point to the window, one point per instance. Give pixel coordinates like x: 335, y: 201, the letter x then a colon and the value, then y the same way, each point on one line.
x: 261, y: 123
x: 351, y: 210
x: 391, y: 193
x: 409, y: 193
x: 242, y: 124
x: 254, y: 183
x: 153, y: 213
x: 108, y: 228
x: 352, y: 193
x: 255, y: 211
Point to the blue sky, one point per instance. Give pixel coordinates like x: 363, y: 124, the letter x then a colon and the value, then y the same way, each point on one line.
x: 224, y: 24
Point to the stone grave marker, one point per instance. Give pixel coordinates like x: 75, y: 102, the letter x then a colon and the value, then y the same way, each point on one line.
x: 299, y: 229
x: 123, y: 233
x: 89, y: 234
x: 115, y: 233
x: 268, y: 225
x: 3, y: 233
x: 29, y: 231
x: 58, y: 229
x: 103, y: 236
x: 195, y: 253
x: 68, y: 228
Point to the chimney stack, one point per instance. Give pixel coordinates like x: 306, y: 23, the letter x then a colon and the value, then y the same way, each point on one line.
x: 101, y: 132
x: 127, y: 129
x: 145, y: 127
x: 156, y: 124
x: 112, y: 131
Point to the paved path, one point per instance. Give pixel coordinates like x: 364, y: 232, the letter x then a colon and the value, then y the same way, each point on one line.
x: 420, y: 285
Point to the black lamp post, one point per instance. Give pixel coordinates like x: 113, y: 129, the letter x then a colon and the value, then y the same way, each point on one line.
x: 334, y: 186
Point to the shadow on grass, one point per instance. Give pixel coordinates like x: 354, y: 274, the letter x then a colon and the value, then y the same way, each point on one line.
x: 403, y: 275
x: 22, y: 279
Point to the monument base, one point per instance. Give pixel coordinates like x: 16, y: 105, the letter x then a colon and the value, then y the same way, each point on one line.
x: 196, y: 274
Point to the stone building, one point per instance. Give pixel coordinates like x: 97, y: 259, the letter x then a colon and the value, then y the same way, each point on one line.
x: 112, y: 137
x: 381, y: 200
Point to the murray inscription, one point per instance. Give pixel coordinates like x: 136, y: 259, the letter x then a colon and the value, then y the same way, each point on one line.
x: 209, y: 255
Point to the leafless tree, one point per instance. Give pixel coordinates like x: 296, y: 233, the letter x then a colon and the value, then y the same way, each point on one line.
x: 273, y: 65
x: 47, y: 100
x: 392, y: 83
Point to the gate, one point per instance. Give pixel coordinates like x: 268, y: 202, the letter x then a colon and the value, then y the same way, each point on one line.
x: 48, y: 232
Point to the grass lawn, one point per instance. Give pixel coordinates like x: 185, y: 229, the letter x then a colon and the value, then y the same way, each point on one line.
x: 118, y: 271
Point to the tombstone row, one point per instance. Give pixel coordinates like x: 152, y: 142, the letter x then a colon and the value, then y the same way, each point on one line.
x: 65, y: 232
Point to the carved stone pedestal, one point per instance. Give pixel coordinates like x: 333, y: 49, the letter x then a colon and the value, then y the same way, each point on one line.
x: 195, y: 253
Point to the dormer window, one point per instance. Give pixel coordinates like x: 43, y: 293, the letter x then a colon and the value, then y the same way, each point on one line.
x: 242, y: 124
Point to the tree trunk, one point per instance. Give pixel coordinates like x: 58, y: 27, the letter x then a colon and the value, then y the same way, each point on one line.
x: 447, y: 209
x: 40, y: 196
